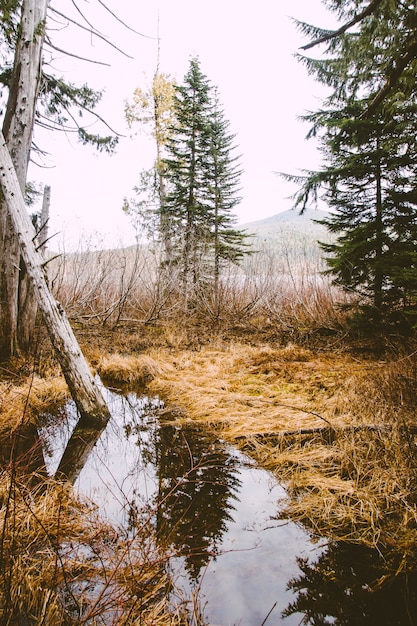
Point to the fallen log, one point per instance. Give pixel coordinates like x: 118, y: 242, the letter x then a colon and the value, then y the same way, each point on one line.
x: 82, y: 386
x: 330, y: 431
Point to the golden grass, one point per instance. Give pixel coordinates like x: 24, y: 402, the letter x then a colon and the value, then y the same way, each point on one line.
x: 326, y: 424
x: 20, y: 404
x: 61, y: 563
x: 130, y: 370
x: 334, y: 429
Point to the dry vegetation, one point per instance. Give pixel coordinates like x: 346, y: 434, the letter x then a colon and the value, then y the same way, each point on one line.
x: 337, y: 430
x: 274, y: 371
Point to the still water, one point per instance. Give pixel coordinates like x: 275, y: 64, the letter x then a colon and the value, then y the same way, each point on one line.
x: 218, y: 515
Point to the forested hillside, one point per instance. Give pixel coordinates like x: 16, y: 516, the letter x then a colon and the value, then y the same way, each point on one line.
x: 290, y: 233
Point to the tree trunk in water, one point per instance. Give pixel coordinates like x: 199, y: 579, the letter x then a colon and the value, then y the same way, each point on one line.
x: 85, y: 392
x: 17, y: 129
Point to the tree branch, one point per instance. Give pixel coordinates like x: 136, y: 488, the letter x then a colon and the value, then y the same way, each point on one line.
x: 360, y: 16
x: 91, y: 31
x: 392, y: 78
x: 76, y: 56
x: 124, y: 23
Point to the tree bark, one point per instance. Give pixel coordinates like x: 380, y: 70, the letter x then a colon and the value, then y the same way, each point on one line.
x: 27, y: 304
x: 82, y: 386
x: 18, y: 129
x: 43, y: 226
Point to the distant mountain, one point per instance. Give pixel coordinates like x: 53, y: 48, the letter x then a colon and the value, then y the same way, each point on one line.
x: 290, y: 220
x: 290, y: 233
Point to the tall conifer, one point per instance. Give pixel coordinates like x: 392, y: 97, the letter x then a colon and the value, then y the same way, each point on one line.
x: 370, y: 168
x: 202, y: 178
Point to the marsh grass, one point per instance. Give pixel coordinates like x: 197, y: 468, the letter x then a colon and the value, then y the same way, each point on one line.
x: 271, y: 371
x: 330, y: 426
x: 62, y: 564
x: 60, y: 561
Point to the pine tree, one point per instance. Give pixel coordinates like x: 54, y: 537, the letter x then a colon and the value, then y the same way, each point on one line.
x: 185, y: 166
x: 202, y: 184
x: 228, y: 244
x: 370, y: 166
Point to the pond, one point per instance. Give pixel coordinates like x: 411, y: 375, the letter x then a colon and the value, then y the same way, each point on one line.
x: 219, y: 516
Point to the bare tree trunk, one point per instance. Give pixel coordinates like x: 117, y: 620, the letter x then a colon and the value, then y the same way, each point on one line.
x: 80, y: 381
x: 43, y: 227
x: 17, y: 129
x: 27, y: 304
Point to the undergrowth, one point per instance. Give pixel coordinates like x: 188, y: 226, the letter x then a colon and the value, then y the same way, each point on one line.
x: 275, y: 372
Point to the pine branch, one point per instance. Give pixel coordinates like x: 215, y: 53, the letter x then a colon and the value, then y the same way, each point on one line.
x: 393, y: 77
x: 336, y: 33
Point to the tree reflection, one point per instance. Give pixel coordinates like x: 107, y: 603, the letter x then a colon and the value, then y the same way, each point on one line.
x: 346, y: 586
x: 78, y: 449
x: 197, y: 485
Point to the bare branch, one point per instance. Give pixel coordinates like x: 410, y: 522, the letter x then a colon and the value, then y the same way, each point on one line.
x: 336, y: 33
x: 92, y: 31
x: 76, y: 56
x: 124, y: 23
x: 77, y: 8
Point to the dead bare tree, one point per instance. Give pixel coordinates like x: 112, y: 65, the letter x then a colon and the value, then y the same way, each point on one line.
x: 83, y: 388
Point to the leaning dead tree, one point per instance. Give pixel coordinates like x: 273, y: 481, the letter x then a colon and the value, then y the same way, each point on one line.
x: 17, y: 234
x: 83, y: 388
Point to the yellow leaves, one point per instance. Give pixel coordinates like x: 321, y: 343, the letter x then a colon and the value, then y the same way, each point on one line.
x: 153, y: 106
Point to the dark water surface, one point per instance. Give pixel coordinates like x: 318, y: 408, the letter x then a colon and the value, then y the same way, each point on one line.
x: 218, y: 515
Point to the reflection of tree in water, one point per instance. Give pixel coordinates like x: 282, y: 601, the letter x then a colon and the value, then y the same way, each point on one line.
x: 140, y: 418
x: 346, y: 586
x: 197, y: 483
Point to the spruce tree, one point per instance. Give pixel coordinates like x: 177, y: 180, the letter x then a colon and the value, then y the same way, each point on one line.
x: 222, y: 178
x: 185, y: 166
x: 202, y: 178
x: 370, y: 165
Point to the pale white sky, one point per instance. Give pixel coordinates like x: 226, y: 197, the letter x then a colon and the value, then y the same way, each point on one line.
x: 245, y: 48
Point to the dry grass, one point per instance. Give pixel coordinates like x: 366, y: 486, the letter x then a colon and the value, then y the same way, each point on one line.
x: 333, y: 428
x: 62, y: 564
x: 21, y: 403
x: 133, y: 371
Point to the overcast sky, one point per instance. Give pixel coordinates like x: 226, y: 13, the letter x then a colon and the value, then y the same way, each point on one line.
x: 246, y: 49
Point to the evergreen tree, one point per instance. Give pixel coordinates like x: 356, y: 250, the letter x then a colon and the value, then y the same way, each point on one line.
x: 369, y: 183
x: 202, y: 182
x: 370, y: 167
x: 185, y: 167
x: 222, y: 178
